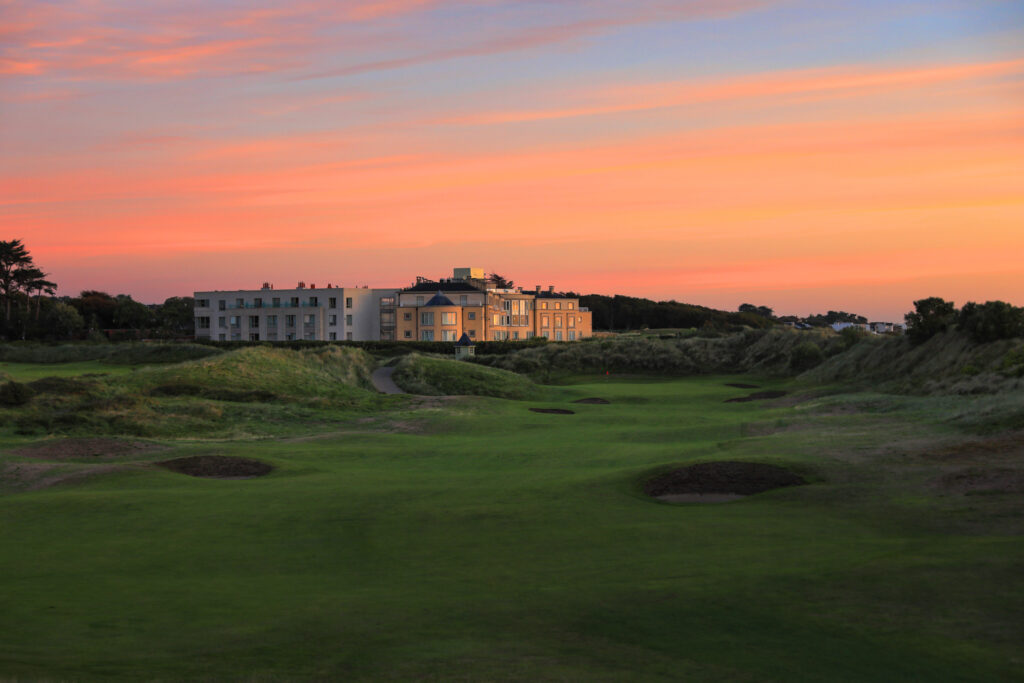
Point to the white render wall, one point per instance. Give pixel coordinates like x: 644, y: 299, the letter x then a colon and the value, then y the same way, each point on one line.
x: 334, y: 314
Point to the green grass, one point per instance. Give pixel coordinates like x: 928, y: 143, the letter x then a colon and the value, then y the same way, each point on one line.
x: 492, y: 543
x: 27, y: 372
x: 446, y: 377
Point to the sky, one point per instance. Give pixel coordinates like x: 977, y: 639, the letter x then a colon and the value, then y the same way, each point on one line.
x: 806, y: 156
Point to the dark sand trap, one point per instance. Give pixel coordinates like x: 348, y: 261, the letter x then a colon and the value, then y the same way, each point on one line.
x: 718, y: 482
x: 757, y: 396
x: 60, y: 449
x: 593, y: 401
x: 218, y: 467
x: 741, y: 385
x: 553, y: 411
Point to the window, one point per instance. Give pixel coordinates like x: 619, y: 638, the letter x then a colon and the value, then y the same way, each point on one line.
x: 239, y: 303
x: 558, y: 335
x: 426, y: 318
x: 447, y: 318
x: 222, y: 337
x: 222, y: 305
x: 408, y: 334
x: 222, y: 322
x: 497, y: 319
x: 472, y: 334
x: 572, y: 321
x: 203, y: 323
x: 332, y: 320
x: 558, y: 321
x: 254, y: 336
x: 290, y: 336
x: 271, y: 336
x: 448, y: 335
x: 236, y: 336
x: 570, y: 305
x: 419, y: 301
x: 515, y: 335
x: 348, y: 320
x: 334, y: 336
x: 463, y: 300
x: 295, y: 301
x: 426, y: 335
x: 202, y: 303
x: 558, y: 305
x: 276, y: 302
x: 254, y: 321
x: 545, y: 320
x: 309, y: 319
x: 235, y: 321
x: 332, y: 302
x: 543, y: 304
x: 258, y: 302
x: 407, y: 316
x: 572, y: 335
x: 471, y: 315
x: 313, y: 301
x: 289, y: 320
x: 271, y: 321
x: 348, y: 336
x: 546, y: 334
x: 348, y: 302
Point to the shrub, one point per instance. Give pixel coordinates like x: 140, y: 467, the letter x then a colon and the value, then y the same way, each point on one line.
x: 15, y: 394
x: 805, y: 356
x: 991, y: 321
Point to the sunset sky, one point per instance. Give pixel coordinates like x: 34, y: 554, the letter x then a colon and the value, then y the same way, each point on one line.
x: 800, y: 155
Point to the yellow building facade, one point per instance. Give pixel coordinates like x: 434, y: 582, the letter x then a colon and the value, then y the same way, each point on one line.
x: 444, y: 310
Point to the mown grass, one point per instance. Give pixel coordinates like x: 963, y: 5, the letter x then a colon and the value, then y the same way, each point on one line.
x: 499, y: 544
x: 425, y: 375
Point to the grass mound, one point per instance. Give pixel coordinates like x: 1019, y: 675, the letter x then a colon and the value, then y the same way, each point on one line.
x: 63, y: 449
x: 128, y: 353
x: 441, y: 377
x: 726, y: 477
x: 261, y: 374
x: 218, y: 467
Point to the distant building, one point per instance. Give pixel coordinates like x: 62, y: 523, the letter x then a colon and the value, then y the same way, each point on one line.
x: 429, y: 310
x: 302, y: 313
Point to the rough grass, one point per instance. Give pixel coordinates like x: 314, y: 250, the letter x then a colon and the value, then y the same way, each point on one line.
x: 127, y: 353
x: 947, y: 363
x: 246, y: 393
x: 769, y: 352
x: 420, y: 374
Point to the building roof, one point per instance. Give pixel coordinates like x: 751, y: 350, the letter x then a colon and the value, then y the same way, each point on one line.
x: 439, y: 299
x: 464, y: 340
x: 447, y: 286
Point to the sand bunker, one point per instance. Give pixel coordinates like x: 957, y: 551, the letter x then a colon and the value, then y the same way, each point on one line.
x: 757, y: 396
x: 593, y: 401
x: 62, y: 449
x: 553, y: 411
x: 218, y: 467
x: 719, y: 482
x: 741, y: 385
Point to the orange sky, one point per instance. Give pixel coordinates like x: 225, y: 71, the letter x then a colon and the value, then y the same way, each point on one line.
x: 714, y: 153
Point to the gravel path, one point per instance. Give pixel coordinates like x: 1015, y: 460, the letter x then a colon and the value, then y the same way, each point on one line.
x: 381, y: 378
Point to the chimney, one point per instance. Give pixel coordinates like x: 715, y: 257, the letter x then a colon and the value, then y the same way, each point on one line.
x: 551, y: 289
x: 537, y: 288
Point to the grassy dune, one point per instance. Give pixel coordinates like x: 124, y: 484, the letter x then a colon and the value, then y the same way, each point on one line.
x: 419, y: 374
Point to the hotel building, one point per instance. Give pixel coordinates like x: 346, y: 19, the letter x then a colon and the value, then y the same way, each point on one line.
x: 428, y: 310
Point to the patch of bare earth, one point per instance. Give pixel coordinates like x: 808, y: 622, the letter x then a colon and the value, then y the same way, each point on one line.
x: 64, y: 449
x: 553, y: 411
x: 218, y: 467
x: 718, y: 482
x: 34, y: 476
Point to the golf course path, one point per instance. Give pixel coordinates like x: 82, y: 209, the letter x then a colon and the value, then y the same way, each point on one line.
x: 381, y: 378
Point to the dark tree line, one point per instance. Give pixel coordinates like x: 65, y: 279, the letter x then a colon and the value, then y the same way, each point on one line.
x: 632, y: 313
x: 987, y: 322
x: 31, y: 309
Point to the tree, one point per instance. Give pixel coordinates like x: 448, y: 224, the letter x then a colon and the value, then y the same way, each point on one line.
x: 762, y: 311
x: 500, y: 282
x: 991, y: 321
x: 176, y: 317
x: 14, y: 260
x: 62, y: 321
x: 130, y: 314
x: 929, y: 317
